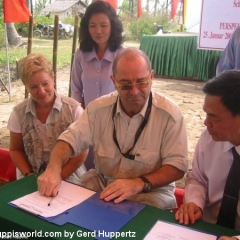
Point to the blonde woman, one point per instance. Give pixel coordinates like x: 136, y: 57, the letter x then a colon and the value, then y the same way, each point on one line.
x: 36, y: 122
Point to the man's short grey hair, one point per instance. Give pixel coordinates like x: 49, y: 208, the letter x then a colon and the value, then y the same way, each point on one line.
x: 130, y: 54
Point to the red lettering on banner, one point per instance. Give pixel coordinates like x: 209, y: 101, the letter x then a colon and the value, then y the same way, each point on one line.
x: 221, y: 25
x: 216, y: 35
x: 205, y: 34
x: 236, y: 3
x: 228, y: 35
x: 228, y: 26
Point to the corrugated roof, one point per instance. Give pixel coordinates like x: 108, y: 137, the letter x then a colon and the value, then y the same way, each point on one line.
x: 59, y: 6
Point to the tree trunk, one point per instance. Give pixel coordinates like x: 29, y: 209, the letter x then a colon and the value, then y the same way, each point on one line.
x: 12, y: 35
x: 131, y: 7
x: 155, y: 7
x: 147, y: 6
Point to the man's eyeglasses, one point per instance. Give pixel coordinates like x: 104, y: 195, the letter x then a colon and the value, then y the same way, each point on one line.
x: 141, y: 84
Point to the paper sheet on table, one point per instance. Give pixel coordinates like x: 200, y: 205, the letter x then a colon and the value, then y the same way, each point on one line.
x: 163, y: 230
x: 69, y: 195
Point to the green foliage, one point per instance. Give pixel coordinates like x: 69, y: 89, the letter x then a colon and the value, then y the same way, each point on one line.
x: 44, y: 20
x: 13, y: 53
x: 125, y: 6
x: 2, y: 38
x: 140, y: 27
x: 2, y: 34
x: 39, y: 5
x: 64, y: 52
x: 135, y: 28
x: 68, y: 20
x: 1, y: 8
x: 22, y: 28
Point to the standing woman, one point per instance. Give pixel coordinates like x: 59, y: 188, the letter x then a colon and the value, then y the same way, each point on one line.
x: 100, y: 38
x: 36, y: 123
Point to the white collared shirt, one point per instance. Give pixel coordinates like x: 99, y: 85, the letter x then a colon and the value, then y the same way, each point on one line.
x: 206, y: 181
x: 162, y: 141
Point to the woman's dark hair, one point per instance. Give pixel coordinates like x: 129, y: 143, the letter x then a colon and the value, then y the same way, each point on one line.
x: 115, y: 39
x: 227, y: 87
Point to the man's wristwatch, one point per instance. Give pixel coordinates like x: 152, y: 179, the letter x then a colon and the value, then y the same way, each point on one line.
x: 148, y: 186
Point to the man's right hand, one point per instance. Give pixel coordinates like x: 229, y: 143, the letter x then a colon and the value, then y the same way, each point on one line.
x: 50, y: 180
x: 49, y: 183
x: 188, y: 213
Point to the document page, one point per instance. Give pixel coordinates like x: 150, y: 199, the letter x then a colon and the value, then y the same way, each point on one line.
x: 69, y: 195
x: 162, y: 231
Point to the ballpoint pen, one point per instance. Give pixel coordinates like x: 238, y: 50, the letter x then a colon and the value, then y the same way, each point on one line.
x: 51, y: 200
x: 42, y: 167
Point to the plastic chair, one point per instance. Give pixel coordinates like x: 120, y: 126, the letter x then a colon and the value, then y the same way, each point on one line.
x: 179, y: 193
x: 7, y: 167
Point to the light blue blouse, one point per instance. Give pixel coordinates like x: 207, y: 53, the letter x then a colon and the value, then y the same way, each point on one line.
x: 230, y: 58
x: 91, y: 76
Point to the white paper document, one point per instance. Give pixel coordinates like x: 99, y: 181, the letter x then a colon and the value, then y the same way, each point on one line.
x: 167, y: 231
x: 69, y: 195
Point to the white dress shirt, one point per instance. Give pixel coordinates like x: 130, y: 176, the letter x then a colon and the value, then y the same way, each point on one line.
x: 206, y: 181
x: 162, y: 141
